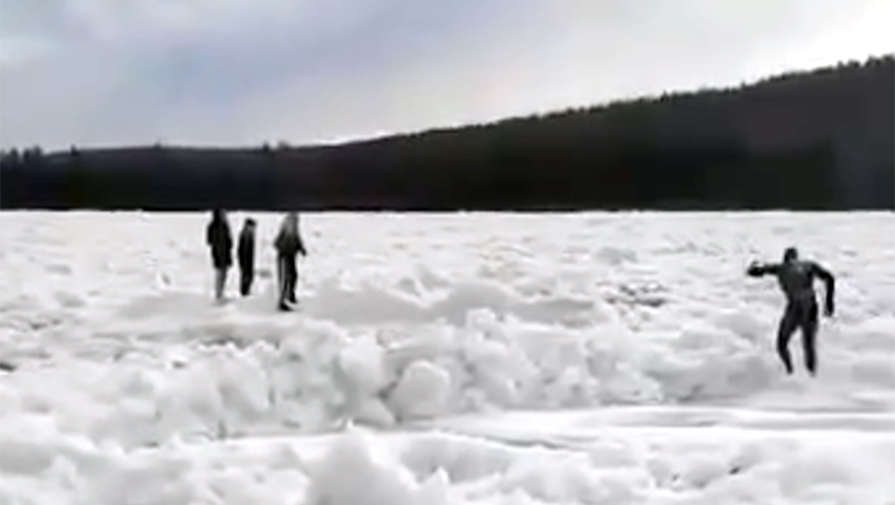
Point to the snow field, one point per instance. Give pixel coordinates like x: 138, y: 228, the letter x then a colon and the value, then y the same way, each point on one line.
x: 129, y: 386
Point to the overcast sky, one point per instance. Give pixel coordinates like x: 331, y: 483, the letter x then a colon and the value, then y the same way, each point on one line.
x: 228, y: 72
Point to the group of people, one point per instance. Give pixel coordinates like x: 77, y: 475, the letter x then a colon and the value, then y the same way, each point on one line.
x: 288, y: 244
x: 795, y: 276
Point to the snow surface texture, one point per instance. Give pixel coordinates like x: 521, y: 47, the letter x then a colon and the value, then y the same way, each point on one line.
x: 465, y: 358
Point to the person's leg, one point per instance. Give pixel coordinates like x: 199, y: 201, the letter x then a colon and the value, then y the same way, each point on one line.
x: 224, y: 272
x: 283, y: 283
x: 245, y: 280
x: 293, y: 279
x: 809, y: 334
x: 787, y: 326
x: 219, y: 279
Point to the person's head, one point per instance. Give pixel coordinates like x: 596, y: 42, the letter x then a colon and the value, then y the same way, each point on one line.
x: 790, y: 254
x: 290, y: 222
x: 249, y: 224
x: 218, y: 214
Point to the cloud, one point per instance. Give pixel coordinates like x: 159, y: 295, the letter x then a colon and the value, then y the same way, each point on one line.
x: 104, y: 72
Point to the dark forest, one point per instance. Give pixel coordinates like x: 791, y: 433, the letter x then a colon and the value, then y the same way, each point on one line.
x: 820, y: 139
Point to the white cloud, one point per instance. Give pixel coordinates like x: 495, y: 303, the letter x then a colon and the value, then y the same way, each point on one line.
x: 100, y: 72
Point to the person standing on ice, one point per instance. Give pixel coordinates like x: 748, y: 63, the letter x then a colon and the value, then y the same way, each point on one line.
x: 246, y: 253
x: 220, y: 241
x: 796, y: 279
x: 288, y: 243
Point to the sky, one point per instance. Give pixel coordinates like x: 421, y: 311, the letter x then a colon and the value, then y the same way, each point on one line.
x: 98, y: 73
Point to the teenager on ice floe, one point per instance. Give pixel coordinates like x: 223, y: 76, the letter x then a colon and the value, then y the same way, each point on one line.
x: 796, y: 279
x: 288, y: 243
x: 246, y: 254
x: 220, y: 241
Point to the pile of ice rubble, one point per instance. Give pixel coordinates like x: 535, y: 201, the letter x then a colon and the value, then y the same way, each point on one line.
x: 314, y: 376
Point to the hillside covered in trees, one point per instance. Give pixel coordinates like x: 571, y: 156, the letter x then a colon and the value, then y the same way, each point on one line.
x: 823, y: 139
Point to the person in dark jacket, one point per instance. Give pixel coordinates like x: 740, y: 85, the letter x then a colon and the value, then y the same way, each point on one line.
x: 288, y: 243
x: 796, y: 278
x: 220, y: 241
x: 246, y: 253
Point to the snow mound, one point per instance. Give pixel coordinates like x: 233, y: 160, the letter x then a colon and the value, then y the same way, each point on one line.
x: 357, y: 471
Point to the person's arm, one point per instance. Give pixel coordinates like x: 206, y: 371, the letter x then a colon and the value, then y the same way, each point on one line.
x: 758, y: 269
x: 278, y: 241
x: 301, y: 246
x: 830, y: 282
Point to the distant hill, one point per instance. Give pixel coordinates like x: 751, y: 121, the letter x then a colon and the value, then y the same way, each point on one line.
x: 821, y: 139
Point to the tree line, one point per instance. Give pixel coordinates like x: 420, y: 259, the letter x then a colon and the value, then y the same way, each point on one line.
x: 819, y: 139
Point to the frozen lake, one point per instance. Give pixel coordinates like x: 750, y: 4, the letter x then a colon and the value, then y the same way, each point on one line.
x: 444, y: 358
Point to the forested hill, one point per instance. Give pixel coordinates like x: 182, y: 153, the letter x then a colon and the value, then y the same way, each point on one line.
x: 823, y: 139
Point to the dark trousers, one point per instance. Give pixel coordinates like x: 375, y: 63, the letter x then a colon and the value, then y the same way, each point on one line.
x: 246, y: 276
x: 220, y: 282
x: 288, y: 274
x: 799, y: 314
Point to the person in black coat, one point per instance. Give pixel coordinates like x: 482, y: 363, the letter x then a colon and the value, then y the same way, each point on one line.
x: 246, y: 253
x: 220, y: 241
x: 288, y: 243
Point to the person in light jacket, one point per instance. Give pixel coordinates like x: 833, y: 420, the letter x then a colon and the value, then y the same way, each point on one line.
x: 288, y: 244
